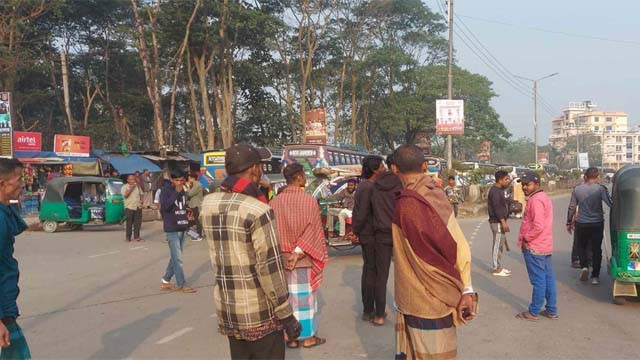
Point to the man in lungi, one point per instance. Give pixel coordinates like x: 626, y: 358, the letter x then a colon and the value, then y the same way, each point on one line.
x: 304, y: 251
x: 431, y: 257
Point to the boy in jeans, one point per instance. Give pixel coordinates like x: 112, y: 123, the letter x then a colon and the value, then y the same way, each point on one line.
x: 536, y: 241
x: 173, y: 206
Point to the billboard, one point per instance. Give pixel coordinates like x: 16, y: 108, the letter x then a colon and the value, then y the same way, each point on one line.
x: 315, y: 131
x: 450, y: 117
x: 70, y: 145
x: 484, y: 152
x: 6, y: 148
x: 543, y: 158
x: 27, y: 141
x: 583, y: 159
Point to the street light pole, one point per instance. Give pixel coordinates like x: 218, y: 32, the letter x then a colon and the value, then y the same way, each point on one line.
x: 535, y: 108
x: 450, y: 84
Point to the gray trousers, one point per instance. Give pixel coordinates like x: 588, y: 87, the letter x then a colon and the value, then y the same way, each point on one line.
x: 499, y: 243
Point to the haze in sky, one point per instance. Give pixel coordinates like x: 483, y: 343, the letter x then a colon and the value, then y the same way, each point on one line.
x: 604, y: 71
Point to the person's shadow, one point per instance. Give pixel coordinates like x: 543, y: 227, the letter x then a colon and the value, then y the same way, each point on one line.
x: 122, y: 342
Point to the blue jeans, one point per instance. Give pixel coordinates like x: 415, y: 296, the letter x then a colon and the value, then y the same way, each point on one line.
x: 176, y: 242
x: 543, y: 281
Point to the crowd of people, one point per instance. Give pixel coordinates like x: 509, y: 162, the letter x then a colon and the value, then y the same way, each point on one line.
x: 269, y: 256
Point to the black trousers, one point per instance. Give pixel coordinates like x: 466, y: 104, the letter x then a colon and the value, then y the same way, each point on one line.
x: 134, y: 221
x: 375, y: 273
x: 575, y: 250
x: 269, y: 347
x: 196, y: 220
x: 590, y: 243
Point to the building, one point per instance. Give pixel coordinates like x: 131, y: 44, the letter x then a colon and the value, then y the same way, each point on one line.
x: 621, y: 144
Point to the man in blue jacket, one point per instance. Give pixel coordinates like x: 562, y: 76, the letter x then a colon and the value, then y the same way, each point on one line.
x: 173, y: 206
x: 12, y: 342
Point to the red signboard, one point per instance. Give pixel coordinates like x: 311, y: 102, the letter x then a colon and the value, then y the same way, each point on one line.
x: 315, y: 131
x: 70, y: 145
x: 27, y: 141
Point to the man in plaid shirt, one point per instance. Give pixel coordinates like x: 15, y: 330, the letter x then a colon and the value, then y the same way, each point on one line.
x: 251, y: 295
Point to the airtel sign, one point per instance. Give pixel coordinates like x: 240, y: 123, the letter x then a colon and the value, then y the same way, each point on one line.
x: 27, y: 141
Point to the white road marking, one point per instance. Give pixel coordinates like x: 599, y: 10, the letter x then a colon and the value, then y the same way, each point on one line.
x: 104, y: 254
x: 213, y: 316
x: 138, y: 248
x: 174, y: 336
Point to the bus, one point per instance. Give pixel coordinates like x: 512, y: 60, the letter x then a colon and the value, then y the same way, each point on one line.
x: 212, y: 170
x: 435, y: 166
x: 312, y: 156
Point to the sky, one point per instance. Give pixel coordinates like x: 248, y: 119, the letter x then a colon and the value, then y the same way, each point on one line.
x: 603, y: 71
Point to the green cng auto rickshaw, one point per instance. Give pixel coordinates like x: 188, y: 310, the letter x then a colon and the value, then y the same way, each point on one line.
x: 624, y: 265
x: 78, y: 200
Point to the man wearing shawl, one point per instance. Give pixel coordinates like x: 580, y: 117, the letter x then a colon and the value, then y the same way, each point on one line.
x: 432, y: 264
x: 302, y: 244
x: 251, y: 297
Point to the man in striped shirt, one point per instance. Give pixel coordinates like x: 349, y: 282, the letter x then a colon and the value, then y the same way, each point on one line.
x: 302, y: 243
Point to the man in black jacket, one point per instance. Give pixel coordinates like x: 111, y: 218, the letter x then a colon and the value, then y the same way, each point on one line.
x: 383, y: 200
x: 498, y: 215
x: 372, y: 167
x: 173, y: 206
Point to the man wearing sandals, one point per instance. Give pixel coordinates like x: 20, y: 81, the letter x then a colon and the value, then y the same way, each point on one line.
x: 536, y: 241
x: 432, y: 265
x: 304, y: 251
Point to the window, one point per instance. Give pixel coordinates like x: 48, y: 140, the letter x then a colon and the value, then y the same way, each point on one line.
x: 596, y: 128
x: 608, y: 128
x: 618, y: 139
x: 629, y: 146
x: 629, y: 156
x: 618, y: 157
x: 353, y: 159
x: 618, y: 148
x: 332, y: 158
x: 608, y: 118
x: 343, y: 161
x: 596, y: 119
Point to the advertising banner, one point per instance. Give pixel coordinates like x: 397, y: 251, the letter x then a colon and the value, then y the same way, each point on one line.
x: 450, y: 117
x: 6, y: 148
x: 484, y: 152
x: 543, y: 158
x: 315, y: 131
x: 584, y: 160
x: 70, y: 145
x: 27, y: 141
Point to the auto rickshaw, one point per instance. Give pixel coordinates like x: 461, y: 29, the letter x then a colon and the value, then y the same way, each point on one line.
x: 624, y: 265
x: 78, y: 200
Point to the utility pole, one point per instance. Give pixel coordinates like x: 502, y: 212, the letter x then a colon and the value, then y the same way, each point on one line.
x: 535, y: 108
x: 450, y: 84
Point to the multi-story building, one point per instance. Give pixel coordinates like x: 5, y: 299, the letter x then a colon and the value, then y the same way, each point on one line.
x: 621, y: 144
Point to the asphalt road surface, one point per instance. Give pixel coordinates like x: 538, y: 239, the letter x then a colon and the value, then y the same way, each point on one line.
x: 89, y: 294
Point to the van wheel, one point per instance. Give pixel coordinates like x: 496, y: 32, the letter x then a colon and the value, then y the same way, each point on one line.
x: 49, y: 226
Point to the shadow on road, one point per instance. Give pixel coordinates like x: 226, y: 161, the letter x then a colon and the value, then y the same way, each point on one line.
x: 122, y: 342
x: 488, y: 285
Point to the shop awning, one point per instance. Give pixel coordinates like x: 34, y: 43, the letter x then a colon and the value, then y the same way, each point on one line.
x: 129, y: 164
x: 49, y: 157
x: 192, y: 156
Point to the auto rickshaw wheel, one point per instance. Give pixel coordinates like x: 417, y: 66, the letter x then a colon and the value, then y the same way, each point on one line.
x: 619, y: 300
x: 49, y: 226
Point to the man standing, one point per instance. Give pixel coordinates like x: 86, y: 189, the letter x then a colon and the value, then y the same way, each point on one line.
x: 303, y: 246
x: 347, y: 197
x: 173, y: 205
x: 383, y: 198
x: 251, y: 295
x: 432, y: 264
x: 498, y: 215
x: 132, y: 208
x: 147, y: 189
x: 590, y: 222
x: 536, y: 241
x: 453, y: 194
x: 372, y: 167
x: 195, y: 194
x: 12, y: 342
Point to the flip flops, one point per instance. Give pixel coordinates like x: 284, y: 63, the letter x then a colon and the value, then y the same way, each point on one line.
x: 319, y: 341
x: 546, y: 314
x: 525, y: 315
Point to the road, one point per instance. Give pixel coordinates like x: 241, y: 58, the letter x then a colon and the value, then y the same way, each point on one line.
x: 89, y: 294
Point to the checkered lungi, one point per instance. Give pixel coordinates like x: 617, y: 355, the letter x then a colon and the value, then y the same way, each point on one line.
x: 303, y: 301
x: 18, y: 348
x: 425, y: 339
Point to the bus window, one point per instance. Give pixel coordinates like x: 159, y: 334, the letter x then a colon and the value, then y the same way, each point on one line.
x: 332, y: 158
x: 343, y: 160
x: 353, y: 159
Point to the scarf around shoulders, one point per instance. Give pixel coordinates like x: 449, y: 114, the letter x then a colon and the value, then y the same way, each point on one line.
x: 235, y: 184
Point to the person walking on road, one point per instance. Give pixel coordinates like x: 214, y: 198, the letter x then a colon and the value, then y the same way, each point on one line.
x: 173, y: 205
x: 132, y: 208
x: 536, y: 241
x: 383, y: 199
x: 589, y: 226
x: 13, y: 344
x: 432, y: 265
x: 195, y: 194
x: 147, y: 189
x: 302, y: 244
x: 251, y: 296
x: 498, y: 214
x: 362, y: 221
